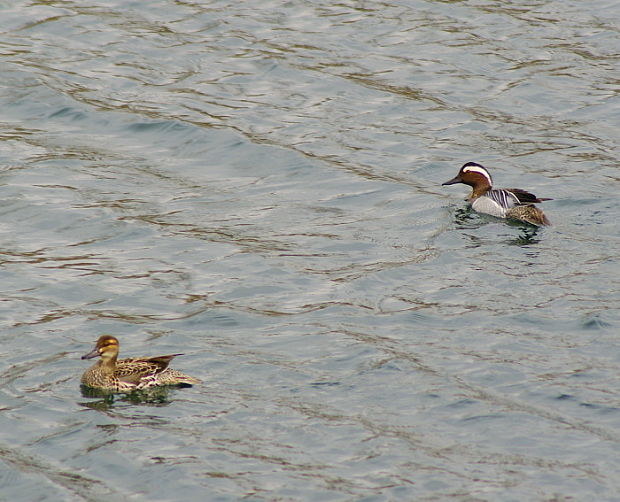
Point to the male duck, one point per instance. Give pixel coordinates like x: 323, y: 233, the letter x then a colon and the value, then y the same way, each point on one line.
x: 513, y: 203
x: 126, y: 375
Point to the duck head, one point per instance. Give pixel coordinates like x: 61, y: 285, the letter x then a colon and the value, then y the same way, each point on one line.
x: 474, y: 175
x: 106, y: 348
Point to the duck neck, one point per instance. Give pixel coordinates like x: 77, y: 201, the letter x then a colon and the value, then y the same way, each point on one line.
x: 108, y: 364
x: 479, y: 191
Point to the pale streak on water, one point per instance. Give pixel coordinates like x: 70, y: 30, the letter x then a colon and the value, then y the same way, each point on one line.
x: 257, y: 185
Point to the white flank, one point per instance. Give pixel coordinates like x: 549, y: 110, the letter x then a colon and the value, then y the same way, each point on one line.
x: 487, y: 205
x: 479, y: 170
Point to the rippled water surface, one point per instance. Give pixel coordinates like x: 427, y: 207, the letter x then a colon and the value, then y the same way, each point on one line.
x: 257, y: 184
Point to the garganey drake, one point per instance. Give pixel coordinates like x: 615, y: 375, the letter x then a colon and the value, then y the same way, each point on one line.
x: 126, y: 375
x: 513, y: 203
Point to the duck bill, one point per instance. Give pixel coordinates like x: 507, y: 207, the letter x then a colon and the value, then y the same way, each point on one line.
x: 456, y: 179
x: 91, y: 354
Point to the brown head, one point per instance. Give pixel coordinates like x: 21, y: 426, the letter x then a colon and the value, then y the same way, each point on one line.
x: 106, y: 348
x: 474, y: 175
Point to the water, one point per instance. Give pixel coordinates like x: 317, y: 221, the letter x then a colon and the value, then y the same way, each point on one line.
x: 257, y: 185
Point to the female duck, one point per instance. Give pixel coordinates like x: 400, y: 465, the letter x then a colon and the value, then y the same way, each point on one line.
x: 513, y: 203
x: 126, y: 375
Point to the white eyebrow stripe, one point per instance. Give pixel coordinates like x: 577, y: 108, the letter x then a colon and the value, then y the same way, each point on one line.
x: 479, y: 170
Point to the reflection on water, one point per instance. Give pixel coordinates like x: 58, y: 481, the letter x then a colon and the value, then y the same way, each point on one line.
x: 158, y: 396
x: 467, y: 219
x: 257, y: 186
x: 528, y: 234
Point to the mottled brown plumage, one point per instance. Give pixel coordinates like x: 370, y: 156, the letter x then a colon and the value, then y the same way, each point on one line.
x: 528, y: 213
x: 125, y: 375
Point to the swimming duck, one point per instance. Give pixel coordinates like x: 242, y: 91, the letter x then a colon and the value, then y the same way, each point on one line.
x: 513, y: 203
x: 126, y: 375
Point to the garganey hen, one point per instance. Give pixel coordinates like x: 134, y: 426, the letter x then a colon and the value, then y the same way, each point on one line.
x: 126, y: 375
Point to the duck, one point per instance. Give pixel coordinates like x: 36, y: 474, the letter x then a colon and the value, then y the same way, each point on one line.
x: 512, y: 203
x: 126, y: 375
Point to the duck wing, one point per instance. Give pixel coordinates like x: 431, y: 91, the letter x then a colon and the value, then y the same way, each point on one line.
x: 525, y: 197
x: 133, y: 370
x: 504, y: 198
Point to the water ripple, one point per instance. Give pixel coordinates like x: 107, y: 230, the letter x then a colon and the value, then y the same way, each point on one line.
x: 258, y: 187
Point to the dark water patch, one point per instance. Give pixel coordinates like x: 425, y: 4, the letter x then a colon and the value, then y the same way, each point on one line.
x: 603, y: 409
x: 165, y: 127
x: 68, y: 112
x: 595, y: 322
